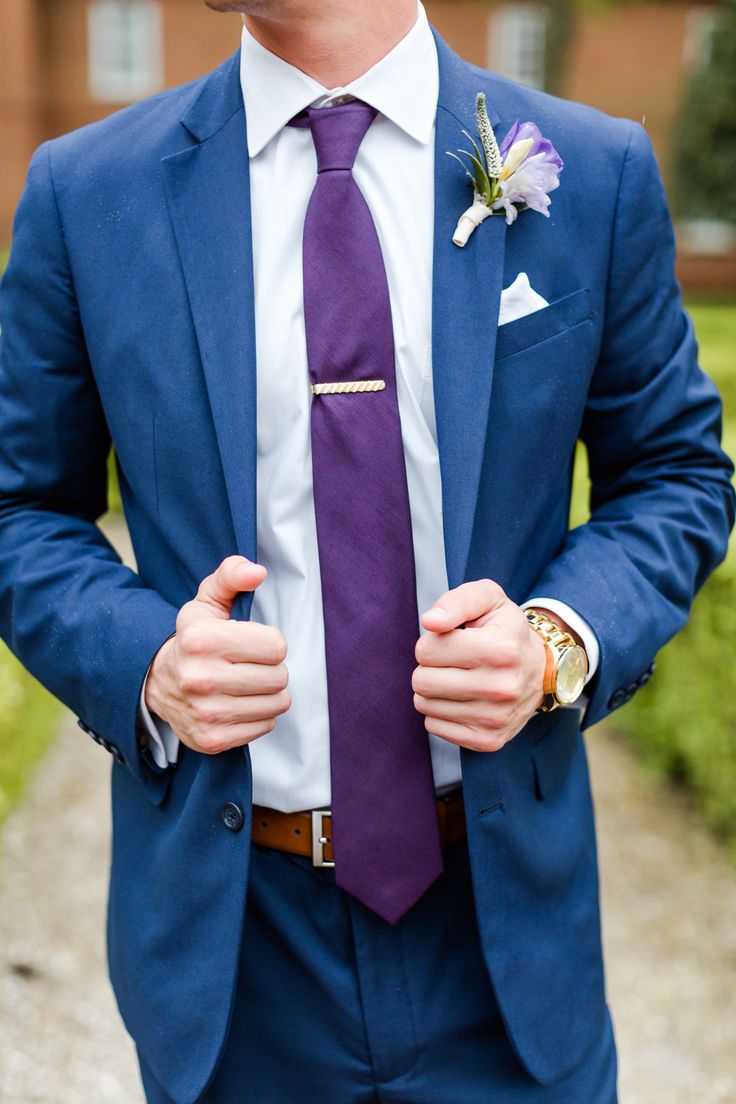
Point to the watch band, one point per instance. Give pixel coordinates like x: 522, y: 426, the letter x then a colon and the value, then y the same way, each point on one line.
x: 556, y: 640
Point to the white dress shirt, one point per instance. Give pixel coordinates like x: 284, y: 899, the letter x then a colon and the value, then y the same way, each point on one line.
x: 394, y: 169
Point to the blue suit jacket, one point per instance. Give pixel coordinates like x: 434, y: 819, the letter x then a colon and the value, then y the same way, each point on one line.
x: 127, y: 314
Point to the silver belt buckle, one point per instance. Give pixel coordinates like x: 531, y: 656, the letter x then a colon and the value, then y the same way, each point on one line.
x: 319, y: 839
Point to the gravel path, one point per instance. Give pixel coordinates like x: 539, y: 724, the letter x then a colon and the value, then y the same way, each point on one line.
x: 669, y: 901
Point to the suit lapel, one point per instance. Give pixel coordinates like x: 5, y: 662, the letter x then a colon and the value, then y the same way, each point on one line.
x: 208, y: 192
x: 466, y: 294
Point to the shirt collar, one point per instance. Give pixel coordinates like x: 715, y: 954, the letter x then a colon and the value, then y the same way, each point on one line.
x: 403, y: 86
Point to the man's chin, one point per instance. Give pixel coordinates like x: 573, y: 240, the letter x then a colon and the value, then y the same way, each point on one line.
x: 229, y: 5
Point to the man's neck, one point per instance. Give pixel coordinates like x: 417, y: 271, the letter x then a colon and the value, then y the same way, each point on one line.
x: 330, y: 47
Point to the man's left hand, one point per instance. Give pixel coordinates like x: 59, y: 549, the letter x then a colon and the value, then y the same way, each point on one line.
x: 481, y: 667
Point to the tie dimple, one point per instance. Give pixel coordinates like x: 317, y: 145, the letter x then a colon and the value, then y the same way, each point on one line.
x: 337, y: 132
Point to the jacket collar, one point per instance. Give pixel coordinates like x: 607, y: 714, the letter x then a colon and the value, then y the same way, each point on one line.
x: 402, y: 86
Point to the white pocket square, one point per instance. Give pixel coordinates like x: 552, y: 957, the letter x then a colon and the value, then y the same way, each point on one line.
x: 519, y: 300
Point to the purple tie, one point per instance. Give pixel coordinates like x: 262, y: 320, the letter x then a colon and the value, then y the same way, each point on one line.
x: 384, y: 820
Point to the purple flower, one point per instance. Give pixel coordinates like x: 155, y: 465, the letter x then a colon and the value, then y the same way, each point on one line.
x: 521, y: 131
x: 532, y: 168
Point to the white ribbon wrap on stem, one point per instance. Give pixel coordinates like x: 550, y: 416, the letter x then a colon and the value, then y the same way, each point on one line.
x: 469, y: 220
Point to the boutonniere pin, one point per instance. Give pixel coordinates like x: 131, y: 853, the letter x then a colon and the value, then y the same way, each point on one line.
x: 516, y: 176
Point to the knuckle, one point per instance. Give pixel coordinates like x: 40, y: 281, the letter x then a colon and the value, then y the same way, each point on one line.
x: 228, y: 563
x: 275, y: 647
x: 492, y: 588
x: 283, y: 702
x: 494, y: 722
x: 197, y: 682
x: 421, y: 651
x: 205, y: 714
x: 503, y: 653
x: 494, y: 742
x: 419, y: 704
x: 194, y: 640
x: 507, y: 689
x: 487, y: 690
x: 419, y: 680
x: 484, y: 713
x: 211, y: 742
x: 281, y: 677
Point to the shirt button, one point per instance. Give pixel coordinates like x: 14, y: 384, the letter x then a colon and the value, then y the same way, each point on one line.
x: 232, y: 817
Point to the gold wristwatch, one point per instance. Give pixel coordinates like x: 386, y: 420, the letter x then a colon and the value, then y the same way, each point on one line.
x: 567, y: 662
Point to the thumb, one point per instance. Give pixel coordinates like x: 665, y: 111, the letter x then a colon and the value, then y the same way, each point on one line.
x: 472, y: 604
x: 234, y: 575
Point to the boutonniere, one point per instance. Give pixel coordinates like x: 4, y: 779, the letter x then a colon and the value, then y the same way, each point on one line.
x: 516, y: 176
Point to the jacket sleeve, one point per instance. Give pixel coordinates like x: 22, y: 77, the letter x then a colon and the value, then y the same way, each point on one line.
x: 79, y: 620
x: 662, y: 504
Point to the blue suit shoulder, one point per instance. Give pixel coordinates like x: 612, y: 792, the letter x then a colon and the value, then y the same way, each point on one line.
x: 577, y: 130
x: 135, y: 137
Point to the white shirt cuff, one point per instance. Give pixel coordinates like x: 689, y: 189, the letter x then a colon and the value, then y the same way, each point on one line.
x: 163, y: 741
x: 577, y: 624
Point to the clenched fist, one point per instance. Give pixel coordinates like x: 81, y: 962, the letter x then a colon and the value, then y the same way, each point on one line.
x: 220, y: 683
x: 478, y: 686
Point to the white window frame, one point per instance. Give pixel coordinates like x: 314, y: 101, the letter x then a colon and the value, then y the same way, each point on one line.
x: 700, y: 30
x: 125, y: 49
x: 516, y: 45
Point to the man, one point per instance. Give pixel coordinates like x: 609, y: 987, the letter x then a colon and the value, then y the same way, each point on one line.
x: 250, y: 286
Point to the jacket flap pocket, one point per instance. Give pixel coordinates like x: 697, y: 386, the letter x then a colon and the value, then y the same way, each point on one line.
x: 543, y: 324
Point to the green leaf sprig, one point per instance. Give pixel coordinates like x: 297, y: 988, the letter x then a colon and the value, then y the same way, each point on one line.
x: 486, y: 163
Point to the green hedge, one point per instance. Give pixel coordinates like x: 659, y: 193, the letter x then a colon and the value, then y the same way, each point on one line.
x: 28, y: 720
x: 684, y: 723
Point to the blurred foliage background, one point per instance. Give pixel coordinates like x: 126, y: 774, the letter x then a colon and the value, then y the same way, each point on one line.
x: 683, y: 725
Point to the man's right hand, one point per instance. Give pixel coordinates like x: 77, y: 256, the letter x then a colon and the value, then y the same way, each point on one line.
x: 220, y: 683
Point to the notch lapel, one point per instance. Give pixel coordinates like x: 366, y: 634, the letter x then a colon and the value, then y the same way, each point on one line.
x: 466, y: 295
x: 208, y: 193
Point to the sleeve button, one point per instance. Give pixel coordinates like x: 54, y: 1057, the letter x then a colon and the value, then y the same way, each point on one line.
x: 232, y: 817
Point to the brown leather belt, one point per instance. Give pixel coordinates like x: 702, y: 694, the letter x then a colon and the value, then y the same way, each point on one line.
x: 310, y: 833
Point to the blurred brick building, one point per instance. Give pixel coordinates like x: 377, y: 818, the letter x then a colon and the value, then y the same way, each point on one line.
x: 64, y: 63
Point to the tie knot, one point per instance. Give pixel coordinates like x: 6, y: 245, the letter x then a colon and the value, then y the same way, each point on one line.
x: 337, y: 133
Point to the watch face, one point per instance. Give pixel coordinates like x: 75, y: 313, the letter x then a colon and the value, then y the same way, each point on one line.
x: 571, y: 674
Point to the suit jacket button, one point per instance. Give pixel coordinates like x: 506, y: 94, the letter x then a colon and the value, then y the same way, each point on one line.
x: 617, y: 699
x: 232, y: 817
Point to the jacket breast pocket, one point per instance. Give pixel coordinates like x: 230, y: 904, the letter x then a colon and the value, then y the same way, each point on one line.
x: 534, y: 329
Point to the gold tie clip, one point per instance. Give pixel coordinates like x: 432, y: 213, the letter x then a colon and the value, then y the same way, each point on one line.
x: 348, y: 388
